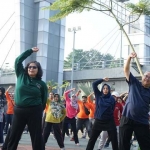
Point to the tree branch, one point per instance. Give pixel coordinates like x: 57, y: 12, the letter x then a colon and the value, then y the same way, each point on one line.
x: 134, y: 20
x: 102, y: 6
x: 92, y: 8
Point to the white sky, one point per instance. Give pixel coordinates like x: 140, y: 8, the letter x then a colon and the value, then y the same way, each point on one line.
x: 94, y: 27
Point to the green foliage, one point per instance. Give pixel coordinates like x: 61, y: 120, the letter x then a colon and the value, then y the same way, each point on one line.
x: 117, y: 63
x: 86, y: 88
x: 53, y: 85
x: 142, y: 7
x: 87, y: 59
x: 66, y: 7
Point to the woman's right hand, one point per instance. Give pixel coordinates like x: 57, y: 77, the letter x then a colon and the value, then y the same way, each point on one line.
x: 106, y: 79
x: 35, y: 49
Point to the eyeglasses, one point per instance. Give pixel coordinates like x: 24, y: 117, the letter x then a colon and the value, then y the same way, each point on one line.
x: 33, y: 67
x: 148, y: 77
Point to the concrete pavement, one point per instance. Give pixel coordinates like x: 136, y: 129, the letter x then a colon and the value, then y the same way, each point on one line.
x: 25, y: 144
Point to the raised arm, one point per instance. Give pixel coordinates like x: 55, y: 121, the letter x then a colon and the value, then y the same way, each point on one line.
x: 123, y: 94
x: 67, y: 93
x: 7, y: 95
x: 96, y: 83
x: 127, y: 65
x: 124, y: 99
x: 18, y: 62
x: 89, y: 98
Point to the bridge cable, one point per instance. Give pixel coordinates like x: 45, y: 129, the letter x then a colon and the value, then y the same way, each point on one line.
x: 114, y: 53
x: 7, y: 32
x: 98, y: 43
x: 101, y: 48
x: 7, y: 21
x: 7, y: 54
x: 109, y: 48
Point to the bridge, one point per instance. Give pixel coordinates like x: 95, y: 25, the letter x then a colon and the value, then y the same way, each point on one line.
x: 84, y: 75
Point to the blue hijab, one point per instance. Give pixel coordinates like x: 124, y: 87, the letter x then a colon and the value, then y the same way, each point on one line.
x: 108, y: 94
x: 105, y: 104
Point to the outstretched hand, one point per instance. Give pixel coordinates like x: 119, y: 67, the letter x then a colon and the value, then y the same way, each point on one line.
x: 35, y: 49
x: 133, y: 55
x: 106, y: 79
x: 73, y: 89
x: 10, y: 87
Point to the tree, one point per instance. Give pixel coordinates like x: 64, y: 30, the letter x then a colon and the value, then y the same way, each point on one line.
x: 66, y: 7
x: 87, y: 59
x: 142, y: 7
x: 55, y: 86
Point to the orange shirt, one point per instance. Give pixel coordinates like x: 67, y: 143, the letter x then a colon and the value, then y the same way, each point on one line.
x: 46, y: 109
x: 92, y: 111
x: 10, y: 104
x: 82, y: 114
x: 47, y: 106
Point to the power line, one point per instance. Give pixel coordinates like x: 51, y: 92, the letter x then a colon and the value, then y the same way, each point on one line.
x: 8, y: 53
x: 108, y: 48
x: 98, y: 43
x: 7, y: 21
x: 101, y: 48
x: 7, y: 33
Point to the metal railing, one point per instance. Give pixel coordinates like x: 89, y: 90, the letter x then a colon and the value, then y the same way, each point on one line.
x: 105, y: 64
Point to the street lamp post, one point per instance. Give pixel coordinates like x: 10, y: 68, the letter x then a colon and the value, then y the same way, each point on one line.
x: 74, y: 30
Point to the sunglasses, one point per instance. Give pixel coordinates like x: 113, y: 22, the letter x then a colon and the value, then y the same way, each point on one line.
x: 148, y: 77
x: 33, y: 67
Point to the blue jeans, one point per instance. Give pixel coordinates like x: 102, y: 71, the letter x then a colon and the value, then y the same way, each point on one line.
x: 1, y: 132
x: 8, y: 121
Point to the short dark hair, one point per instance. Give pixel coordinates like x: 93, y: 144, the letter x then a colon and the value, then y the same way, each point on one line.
x: 40, y: 71
x: 84, y: 96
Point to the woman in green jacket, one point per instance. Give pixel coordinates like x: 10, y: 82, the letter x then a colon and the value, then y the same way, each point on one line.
x: 30, y: 100
x: 55, y: 115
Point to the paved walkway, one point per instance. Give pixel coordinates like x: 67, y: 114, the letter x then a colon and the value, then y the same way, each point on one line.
x: 25, y: 144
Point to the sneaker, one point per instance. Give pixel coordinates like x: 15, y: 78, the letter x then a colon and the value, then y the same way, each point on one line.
x: 68, y: 135
x: 62, y: 149
x: 54, y: 137
x: 77, y: 144
x: 83, y: 137
x: 25, y: 132
x: 106, y: 145
x: 72, y: 139
x: 1, y: 144
x: 4, y: 133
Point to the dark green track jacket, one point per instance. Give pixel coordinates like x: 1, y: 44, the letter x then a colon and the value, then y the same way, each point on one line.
x: 29, y: 91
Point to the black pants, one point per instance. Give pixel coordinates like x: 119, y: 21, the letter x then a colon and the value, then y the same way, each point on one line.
x: 9, y: 118
x: 57, y: 133
x: 127, y: 126
x: 72, y: 122
x: 43, y: 121
x: 32, y: 116
x: 86, y: 123
x: 95, y: 134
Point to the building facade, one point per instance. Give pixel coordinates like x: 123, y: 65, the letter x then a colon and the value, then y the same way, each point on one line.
x: 33, y: 28
x: 139, y: 34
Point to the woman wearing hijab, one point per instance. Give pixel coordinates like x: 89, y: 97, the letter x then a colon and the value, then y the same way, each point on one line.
x: 104, y: 119
x: 72, y: 110
x: 2, y: 102
x: 55, y: 114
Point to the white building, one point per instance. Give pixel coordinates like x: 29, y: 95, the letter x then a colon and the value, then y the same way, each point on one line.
x: 139, y: 34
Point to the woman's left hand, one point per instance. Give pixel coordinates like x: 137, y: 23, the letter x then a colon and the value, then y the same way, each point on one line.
x: 35, y: 49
